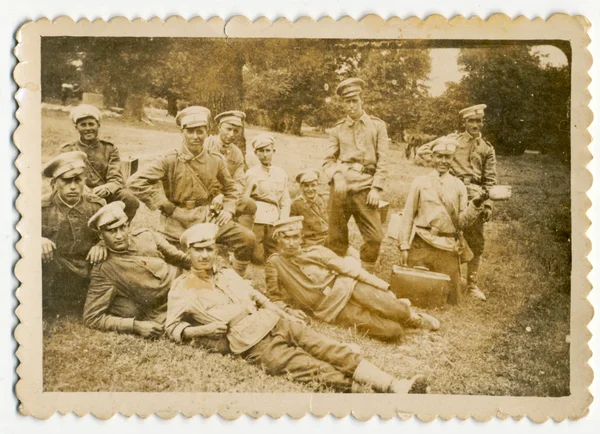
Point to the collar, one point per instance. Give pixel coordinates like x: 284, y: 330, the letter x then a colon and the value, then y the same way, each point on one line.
x: 80, y: 143
x: 435, y: 174
x: 61, y: 202
x: 266, y: 168
x: 132, y: 247
x: 186, y: 155
x: 364, y: 117
x: 478, y: 136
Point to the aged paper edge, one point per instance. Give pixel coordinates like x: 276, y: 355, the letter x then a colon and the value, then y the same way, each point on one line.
x: 230, y: 406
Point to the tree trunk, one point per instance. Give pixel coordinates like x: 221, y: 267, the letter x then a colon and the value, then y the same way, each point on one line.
x: 134, y: 108
x: 171, y: 105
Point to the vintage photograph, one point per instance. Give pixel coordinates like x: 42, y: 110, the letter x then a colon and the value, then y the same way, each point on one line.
x: 315, y: 215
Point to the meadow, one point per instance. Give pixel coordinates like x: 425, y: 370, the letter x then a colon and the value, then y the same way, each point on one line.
x: 516, y: 343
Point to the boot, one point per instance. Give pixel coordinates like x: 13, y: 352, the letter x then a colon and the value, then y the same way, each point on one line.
x: 417, y: 384
x: 472, y: 272
x: 424, y: 321
x: 239, y: 266
x: 368, y: 373
x: 368, y: 266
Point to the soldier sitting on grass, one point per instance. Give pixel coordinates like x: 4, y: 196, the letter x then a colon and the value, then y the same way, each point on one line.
x: 336, y: 290
x: 216, y: 303
x: 128, y: 291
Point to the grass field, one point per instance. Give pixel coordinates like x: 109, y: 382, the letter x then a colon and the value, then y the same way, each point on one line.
x: 517, y: 343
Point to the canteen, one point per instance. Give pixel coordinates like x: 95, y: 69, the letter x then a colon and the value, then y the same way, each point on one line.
x: 500, y: 192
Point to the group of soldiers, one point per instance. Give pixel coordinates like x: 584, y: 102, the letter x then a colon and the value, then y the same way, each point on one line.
x: 187, y: 279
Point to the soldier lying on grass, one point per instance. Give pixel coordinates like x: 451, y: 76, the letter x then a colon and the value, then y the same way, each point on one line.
x: 336, y: 290
x: 216, y: 303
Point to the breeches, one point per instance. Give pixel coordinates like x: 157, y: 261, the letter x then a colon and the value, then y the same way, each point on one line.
x: 306, y: 356
x: 474, y: 236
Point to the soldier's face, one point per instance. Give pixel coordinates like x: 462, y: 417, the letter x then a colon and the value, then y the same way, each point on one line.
x: 203, y: 257
x: 353, y: 106
x: 228, y: 133
x: 473, y: 126
x: 309, y: 189
x: 289, y: 243
x: 116, y: 239
x: 70, y: 189
x: 88, y: 129
x: 265, y: 155
x: 194, y: 138
x: 442, y: 162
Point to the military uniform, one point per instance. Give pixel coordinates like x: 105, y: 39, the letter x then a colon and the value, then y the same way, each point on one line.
x: 315, y: 229
x: 429, y: 232
x: 66, y: 277
x: 133, y: 284
x: 272, y: 198
x: 103, y: 165
x: 358, y: 150
x: 475, y: 164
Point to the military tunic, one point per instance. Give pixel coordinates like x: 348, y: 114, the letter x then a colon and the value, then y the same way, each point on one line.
x: 430, y: 231
x: 475, y: 164
x: 103, y: 167
x: 133, y: 284
x: 68, y: 273
x: 181, y: 179
x: 257, y: 333
x: 358, y: 150
x: 336, y: 290
x: 314, y: 226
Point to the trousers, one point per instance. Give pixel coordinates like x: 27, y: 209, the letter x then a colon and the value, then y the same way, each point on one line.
x: 378, y: 313
x: 368, y: 220
x: 305, y: 355
x: 442, y: 261
x: 127, y: 308
x: 474, y: 236
x: 64, y: 285
x: 245, y: 212
x: 265, y: 243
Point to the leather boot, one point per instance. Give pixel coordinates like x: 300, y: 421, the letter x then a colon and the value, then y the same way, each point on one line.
x: 239, y: 266
x: 472, y: 272
x: 368, y: 373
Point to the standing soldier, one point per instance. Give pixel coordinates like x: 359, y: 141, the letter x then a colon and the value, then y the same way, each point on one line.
x: 356, y: 167
x: 68, y: 245
x: 230, y: 128
x: 183, y: 184
x: 267, y: 185
x: 475, y: 164
x: 103, y: 165
x: 434, y: 217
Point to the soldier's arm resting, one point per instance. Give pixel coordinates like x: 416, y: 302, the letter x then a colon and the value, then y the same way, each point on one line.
x: 381, y: 151
x: 407, y: 220
x: 289, y: 314
x: 146, y: 186
x: 97, y: 304
x: 114, y: 176
x: 176, y: 310
x: 275, y: 292
x: 172, y: 254
x: 351, y: 267
x: 286, y: 202
x: 229, y: 188
x: 330, y: 163
x: 468, y: 211
x: 489, y: 175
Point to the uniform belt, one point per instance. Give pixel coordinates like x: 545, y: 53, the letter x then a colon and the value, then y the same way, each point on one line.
x: 236, y: 319
x: 191, y: 204
x: 437, y: 233
x: 368, y: 169
x: 468, y: 179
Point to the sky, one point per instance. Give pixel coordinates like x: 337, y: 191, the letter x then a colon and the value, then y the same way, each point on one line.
x: 444, y: 65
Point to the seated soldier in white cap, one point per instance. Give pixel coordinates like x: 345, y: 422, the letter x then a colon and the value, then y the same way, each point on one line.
x: 435, y: 214
x: 231, y: 124
x: 184, y: 183
x: 128, y: 291
x: 334, y: 289
x: 68, y: 245
x: 474, y: 164
x: 311, y: 205
x: 267, y: 185
x: 103, y: 165
x: 215, y: 303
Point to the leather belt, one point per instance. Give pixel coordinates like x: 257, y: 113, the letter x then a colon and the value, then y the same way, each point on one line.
x: 437, y: 233
x: 368, y: 169
x: 191, y: 204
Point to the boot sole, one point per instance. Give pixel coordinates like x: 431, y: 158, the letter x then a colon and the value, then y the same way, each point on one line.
x: 419, y: 385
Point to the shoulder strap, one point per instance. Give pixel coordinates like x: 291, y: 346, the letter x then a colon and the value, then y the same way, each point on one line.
x: 449, y: 208
x: 197, y: 178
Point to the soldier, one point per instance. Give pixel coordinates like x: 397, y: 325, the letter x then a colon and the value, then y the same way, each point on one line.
x: 267, y: 185
x: 356, y: 167
x: 183, y: 184
x: 475, y: 164
x: 215, y: 303
x: 128, y: 291
x: 336, y: 290
x: 103, y: 165
x: 435, y: 214
x: 230, y: 128
x: 311, y: 205
x: 68, y: 245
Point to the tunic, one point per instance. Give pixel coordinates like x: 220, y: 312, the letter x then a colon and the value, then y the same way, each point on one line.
x: 271, y: 189
x: 314, y: 225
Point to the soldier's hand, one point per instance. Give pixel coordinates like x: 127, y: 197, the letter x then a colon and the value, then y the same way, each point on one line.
x: 101, y: 191
x: 340, y: 186
x: 189, y: 217
x: 213, y: 330
x: 404, y: 258
x: 296, y: 313
x: 480, y: 198
x: 147, y: 329
x: 223, y: 218
x: 48, y: 247
x: 97, y: 254
x: 293, y: 318
x: 373, y: 198
x: 486, y: 214
x: 217, y: 202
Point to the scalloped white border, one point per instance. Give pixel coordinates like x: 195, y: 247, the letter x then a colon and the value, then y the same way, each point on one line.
x: 230, y: 406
